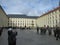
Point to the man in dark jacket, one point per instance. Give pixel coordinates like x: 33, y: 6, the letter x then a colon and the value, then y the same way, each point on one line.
x: 42, y: 30
x: 14, y: 37
x: 54, y: 30
x: 37, y: 29
x: 49, y: 30
x: 10, y: 42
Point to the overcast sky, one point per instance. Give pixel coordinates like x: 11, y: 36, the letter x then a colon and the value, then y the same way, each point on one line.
x: 28, y: 7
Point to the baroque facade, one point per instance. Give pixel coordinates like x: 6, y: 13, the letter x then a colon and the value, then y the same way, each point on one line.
x: 16, y: 20
x: 51, y: 18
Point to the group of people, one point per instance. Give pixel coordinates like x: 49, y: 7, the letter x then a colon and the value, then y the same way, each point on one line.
x: 13, y: 33
x: 44, y: 29
x: 56, y: 31
x: 12, y: 36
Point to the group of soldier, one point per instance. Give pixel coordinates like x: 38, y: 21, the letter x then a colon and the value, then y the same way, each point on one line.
x: 44, y: 29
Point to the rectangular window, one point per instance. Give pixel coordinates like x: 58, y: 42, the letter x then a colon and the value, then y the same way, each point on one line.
x: 18, y: 23
x: 53, y: 17
x: 56, y: 21
x: 50, y: 17
x: 56, y: 16
x: 53, y: 25
x: 59, y: 15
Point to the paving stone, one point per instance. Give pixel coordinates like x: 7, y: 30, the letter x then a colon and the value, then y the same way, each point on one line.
x: 30, y: 37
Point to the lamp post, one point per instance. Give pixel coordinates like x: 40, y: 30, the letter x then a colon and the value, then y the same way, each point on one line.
x: 32, y: 24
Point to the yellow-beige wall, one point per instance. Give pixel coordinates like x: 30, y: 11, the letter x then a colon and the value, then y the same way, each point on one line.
x: 22, y: 22
x: 3, y: 18
x: 51, y: 19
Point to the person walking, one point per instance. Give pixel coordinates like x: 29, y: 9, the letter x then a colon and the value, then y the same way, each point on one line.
x: 49, y: 30
x: 54, y: 30
x: 38, y: 30
x: 44, y: 29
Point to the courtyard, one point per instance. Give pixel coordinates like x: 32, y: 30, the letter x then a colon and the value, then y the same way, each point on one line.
x: 29, y: 37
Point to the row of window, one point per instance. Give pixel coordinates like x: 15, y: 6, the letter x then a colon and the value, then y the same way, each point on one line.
x: 21, y: 23
x: 52, y: 18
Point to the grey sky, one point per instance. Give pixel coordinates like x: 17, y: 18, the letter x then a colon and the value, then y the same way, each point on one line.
x: 29, y: 7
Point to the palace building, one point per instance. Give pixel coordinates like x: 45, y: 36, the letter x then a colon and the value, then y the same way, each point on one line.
x: 51, y: 18
x: 17, y: 20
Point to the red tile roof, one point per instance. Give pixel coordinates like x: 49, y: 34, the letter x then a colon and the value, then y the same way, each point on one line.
x: 51, y: 11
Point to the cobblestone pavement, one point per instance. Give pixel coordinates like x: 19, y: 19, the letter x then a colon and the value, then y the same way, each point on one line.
x: 30, y: 37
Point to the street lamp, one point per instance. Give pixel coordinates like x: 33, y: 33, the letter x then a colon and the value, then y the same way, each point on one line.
x: 32, y: 24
